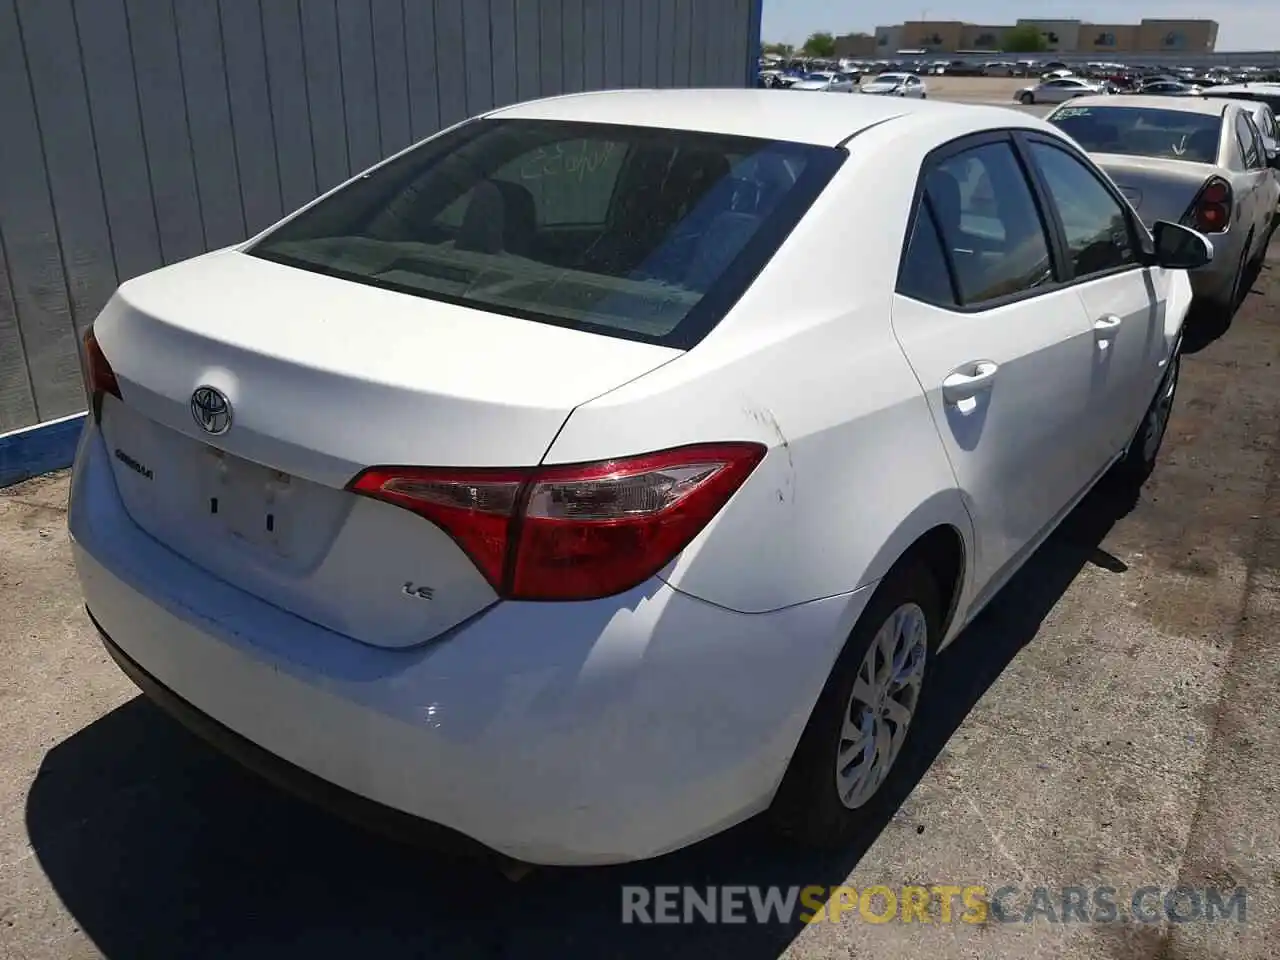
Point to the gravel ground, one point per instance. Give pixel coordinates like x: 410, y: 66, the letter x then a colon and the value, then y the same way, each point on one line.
x: 1111, y: 721
x: 976, y: 89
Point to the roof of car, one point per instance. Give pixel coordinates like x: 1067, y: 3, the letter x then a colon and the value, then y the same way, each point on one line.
x: 1183, y: 104
x: 822, y: 120
x: 1226, y: 89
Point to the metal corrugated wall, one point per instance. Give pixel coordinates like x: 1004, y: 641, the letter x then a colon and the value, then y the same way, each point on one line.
x: 134, y: 133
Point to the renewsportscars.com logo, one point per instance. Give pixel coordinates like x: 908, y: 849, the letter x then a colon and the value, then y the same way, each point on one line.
x: 938, y: 903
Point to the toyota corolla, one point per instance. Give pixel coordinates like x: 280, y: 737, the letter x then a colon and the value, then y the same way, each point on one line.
x: 560, y: 481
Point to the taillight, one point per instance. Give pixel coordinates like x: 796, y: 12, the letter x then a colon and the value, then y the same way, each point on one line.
x: 100, y: 379
x: 574, y: 532
x: 475, y: 507
x: 1211, y: 210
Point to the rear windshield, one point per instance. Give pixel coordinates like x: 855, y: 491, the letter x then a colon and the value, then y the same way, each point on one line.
x: 1143, y: 131
x: 634, y: 232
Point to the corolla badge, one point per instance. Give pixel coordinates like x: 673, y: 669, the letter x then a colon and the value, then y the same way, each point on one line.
x: 211, y: 410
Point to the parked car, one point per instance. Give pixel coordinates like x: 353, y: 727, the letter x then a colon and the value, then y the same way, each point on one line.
x: 1268, y: 93
x: 1265, y: 120
x: 1196, y: 161
x: 962, y: 68
x: 1124, y: 81
x: 897, y: 85
x: 1266, y: 100
x: 402, y: 503
x: 1169, y: 88
x: 1058, y: 90
x: 828, y: 81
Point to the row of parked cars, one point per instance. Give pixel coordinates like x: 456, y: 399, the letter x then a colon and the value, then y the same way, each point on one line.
x: 831, y: 81
x: 1059, y: 85
x: 1122, y: 75
x: 1211, y: 161
x: 517, y: 484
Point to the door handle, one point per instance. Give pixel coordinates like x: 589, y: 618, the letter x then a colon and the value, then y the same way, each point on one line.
x: 1105, y: 329
x: 968, y: 381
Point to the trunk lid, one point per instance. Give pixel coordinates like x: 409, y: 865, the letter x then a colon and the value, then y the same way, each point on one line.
x: 325, y: 377
x: 1158, y: 188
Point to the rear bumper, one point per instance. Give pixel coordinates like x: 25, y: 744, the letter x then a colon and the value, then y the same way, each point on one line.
x: 350, y: 806
x: 551, y: 733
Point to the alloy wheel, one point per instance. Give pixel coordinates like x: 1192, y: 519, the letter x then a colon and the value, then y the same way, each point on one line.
x: 885, y: 695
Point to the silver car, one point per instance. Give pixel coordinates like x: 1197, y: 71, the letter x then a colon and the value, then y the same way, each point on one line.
x: 897, y: 85
x: 1058, y: 90
x: 828, y: 81
x: 1199, y: 162
x: 1169, y: 88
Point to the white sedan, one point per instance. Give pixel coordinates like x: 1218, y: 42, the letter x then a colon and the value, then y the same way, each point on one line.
x: 896, y: 85
x: 559, y: 481
x: 1058, y: 90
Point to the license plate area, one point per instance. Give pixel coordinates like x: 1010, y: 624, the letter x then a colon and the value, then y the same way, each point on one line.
x: 248, y: 501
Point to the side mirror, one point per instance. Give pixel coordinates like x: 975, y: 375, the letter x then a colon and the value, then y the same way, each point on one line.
x: 1179, y: 247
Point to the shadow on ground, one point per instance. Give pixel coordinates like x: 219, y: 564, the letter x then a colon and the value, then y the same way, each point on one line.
x: 159, y: 847
x: 1204, y: 325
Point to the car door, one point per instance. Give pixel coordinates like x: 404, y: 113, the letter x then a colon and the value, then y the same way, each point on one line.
x: 1001, y: 347
x: 1265, y: 120
x: 1270, y: 129
x: 1268, y: 186
x: 1051, y: 91
x: 1256, y: 203
x: 1123, y: 299
x: 1072, y: 89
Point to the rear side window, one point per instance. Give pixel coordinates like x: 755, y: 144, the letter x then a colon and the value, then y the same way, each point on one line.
x: 635, y: 232
x: 989, y: 223
x: 1248, y: 142
x: 925, y: 274
x: 1259, y: 148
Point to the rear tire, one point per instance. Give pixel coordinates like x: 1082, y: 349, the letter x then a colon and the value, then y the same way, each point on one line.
x: 1256, y: 263
x: 1140, y: 459
x: 1237, y: 291
x: 832, y: 788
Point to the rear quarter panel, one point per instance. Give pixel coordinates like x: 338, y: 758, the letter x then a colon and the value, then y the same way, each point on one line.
x: 807, y: 364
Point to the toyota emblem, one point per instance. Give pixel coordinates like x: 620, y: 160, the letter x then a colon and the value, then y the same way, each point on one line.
x: 211, y: 410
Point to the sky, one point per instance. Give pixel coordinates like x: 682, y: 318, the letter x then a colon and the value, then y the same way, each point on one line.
x: 1242, y: 24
